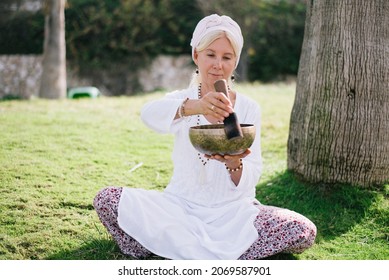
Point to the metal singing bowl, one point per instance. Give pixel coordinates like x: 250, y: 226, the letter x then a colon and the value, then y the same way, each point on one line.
x: 211, y: 139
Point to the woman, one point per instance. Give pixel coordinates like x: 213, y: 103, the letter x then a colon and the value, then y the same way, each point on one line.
x: 208, y: 210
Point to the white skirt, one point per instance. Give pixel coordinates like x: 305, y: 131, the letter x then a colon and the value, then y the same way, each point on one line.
x: 175, y: 228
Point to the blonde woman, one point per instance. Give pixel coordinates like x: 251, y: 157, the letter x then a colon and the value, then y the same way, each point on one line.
x: 209, y: 209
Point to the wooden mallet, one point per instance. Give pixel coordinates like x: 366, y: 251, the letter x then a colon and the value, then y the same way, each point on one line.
x: 231, y: 124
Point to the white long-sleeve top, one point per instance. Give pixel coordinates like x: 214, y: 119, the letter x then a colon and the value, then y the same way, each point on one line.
x: 201, y: 212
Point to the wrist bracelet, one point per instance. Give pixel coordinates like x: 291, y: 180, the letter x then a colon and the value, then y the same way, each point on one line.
x: 181, y: 110
x: 235, y: 169
x: 183, y: 107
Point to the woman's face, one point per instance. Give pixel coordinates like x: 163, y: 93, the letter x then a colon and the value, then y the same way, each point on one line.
x: 215, y: 62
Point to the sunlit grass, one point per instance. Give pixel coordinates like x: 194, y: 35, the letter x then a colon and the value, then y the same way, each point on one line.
x: 56, y: 155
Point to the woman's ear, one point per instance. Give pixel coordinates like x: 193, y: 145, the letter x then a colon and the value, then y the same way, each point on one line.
x: 195, y: 56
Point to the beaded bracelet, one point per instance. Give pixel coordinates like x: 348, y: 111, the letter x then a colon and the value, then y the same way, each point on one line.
x: 235, y: 169
x: 181, y: 111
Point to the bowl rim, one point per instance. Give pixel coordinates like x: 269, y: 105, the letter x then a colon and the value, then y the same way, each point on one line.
x: 218, y: 126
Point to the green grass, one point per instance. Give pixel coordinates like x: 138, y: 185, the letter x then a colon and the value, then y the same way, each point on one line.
x: 56, y: 155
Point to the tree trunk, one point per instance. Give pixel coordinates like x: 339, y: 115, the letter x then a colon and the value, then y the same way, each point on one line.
x: 53, y: 81
x: 339, y: 129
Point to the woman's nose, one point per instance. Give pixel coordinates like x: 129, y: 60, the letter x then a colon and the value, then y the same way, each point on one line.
x: 217, y: 64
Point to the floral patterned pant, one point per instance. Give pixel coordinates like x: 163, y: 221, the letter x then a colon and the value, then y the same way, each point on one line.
x: 279, y: 230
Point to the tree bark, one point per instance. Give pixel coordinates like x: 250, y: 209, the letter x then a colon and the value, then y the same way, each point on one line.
x: 339, y: 128
x: 53, y: 81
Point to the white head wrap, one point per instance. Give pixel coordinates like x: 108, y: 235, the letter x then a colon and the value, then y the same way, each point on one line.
x: 214, y: 23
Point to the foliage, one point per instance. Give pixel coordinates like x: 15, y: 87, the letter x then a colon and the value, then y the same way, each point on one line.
x: 278, y: 39
x: 22, y: 33
x: 59, y: 154
x: 134, y: 31
x: 112, y: 31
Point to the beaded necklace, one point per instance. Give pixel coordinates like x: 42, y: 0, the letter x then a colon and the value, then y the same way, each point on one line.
x: 204, y: 161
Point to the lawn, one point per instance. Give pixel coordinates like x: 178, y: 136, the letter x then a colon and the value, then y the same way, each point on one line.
x: 56, y: 155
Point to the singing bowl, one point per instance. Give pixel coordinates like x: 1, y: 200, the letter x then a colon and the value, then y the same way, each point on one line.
x: 211, y: 139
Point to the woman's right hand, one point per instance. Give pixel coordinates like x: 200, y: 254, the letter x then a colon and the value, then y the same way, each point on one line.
x: 215, y: 105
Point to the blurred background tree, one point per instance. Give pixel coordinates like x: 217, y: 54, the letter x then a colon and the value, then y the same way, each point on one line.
x: 102, y: 32
x: 53, y: 81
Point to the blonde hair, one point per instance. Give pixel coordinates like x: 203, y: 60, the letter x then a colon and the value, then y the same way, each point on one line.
x: 204, y: 43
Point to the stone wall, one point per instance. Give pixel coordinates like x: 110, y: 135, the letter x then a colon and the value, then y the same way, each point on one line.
x: 20, y: 76
x: 167, y: 72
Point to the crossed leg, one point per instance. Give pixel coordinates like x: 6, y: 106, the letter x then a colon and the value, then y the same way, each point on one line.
x: 279, y: 230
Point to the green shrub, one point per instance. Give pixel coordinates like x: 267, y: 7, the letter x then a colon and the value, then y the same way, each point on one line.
x: 132, y: 30
x: 277, y: 40
x: 22, y: 33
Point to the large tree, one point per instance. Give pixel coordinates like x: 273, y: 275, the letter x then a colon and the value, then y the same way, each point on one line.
x: 339, y: 129
x: 53, y: 81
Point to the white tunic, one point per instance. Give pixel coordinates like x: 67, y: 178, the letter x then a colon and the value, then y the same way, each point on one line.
x: 201, y: 214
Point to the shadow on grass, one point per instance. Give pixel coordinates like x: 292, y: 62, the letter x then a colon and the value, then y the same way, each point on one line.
x: 94, y: 249
x: 334, y: 209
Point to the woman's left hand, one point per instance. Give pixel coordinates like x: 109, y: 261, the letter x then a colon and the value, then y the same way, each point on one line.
x: 230, y: 160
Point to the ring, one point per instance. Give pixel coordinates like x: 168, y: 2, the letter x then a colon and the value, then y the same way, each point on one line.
x: 213, y: 107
